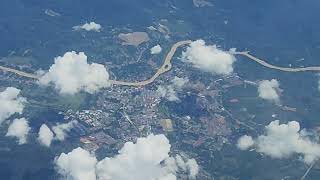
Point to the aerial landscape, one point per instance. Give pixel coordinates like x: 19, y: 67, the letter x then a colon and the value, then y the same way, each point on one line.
x: 159, y: 90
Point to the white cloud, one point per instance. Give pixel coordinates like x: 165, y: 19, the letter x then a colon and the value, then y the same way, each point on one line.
x: 268, y: 90
x: 61, y: 130
x: 142, y: 160
x: 193, y: 168
x: 179, y: 82
x: 19, y: 128
x: 10, y: 103
x: 146, y: 159
x: 202, y: 3
x: 45, y: 135
x: 156, y: 49
x: 137, y: 161
x: 178, y: 162
x: 78, y: 164
x: 168, y: 177
x: 71, y: 73
x: 285, y: 140
x: 245, y: 142
x: 189, y: 165
x: 170, y: 92
x: 208, y: 58
x: 92, y: 26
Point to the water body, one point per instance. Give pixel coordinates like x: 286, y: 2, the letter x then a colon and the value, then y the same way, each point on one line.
x: 279, y: 31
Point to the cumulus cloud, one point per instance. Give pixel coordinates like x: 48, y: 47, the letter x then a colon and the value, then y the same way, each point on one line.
x: 156, y: 49
x: 268, y: 90
x: 10, y: 103
x: 78, y: 164
x: 179, y: 82
x: 142, y: 160
x: 202, y: 3
x: 45, y: 135
x: 92, y: 26
x: 208, y: 58
x: 137, y: 161
x: 61, y: 130
x: 170, y: 92
x: 146, y: 159
x: 193, y: 168
x: 72, y: 73
x: 19, y: 128
x: 185, y: 165
x: 285, y: 140
x: 245, y: 142
x: 58, y: 133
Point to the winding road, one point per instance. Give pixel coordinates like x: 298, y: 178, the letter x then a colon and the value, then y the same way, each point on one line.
x: 167, y: 65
